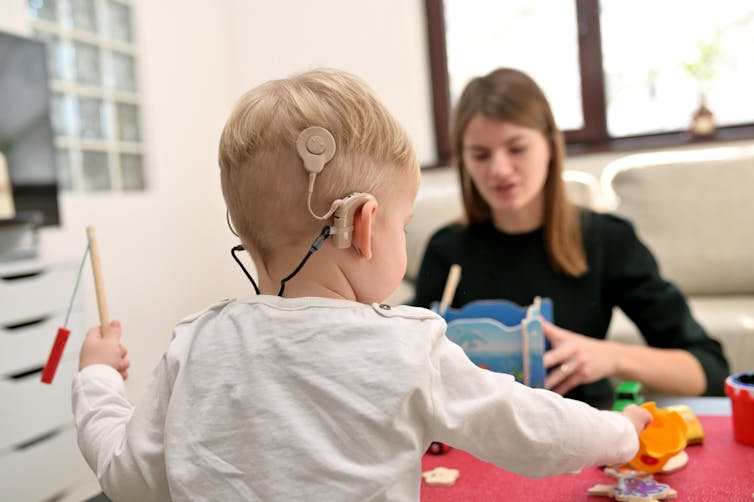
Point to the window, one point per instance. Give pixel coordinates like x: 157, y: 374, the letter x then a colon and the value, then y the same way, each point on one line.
x: 95, y: 105
x: 618, y: 74
x: 509, y: 33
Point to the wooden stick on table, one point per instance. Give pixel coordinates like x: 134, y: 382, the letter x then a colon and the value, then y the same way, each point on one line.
x: 450, y: 287
x: 104, y: 316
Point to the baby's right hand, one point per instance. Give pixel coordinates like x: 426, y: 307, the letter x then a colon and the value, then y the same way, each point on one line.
x: 638, y: 416
x: 99, y: 348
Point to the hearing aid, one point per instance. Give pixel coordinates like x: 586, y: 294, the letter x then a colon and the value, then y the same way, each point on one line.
x: 316, y: 147
x: 342, y: 228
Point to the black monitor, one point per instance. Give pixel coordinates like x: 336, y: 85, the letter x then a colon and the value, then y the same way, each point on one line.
x: 26, y: 135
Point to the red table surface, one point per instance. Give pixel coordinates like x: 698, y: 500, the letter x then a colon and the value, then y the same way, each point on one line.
x: 720, y: 469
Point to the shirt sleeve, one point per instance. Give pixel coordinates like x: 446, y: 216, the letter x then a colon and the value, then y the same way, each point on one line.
x: 123, y: 446
x: 657, y: 307
x: 533, y: 432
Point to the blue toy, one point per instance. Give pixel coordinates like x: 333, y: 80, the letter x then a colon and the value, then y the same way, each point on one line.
x: 502, y: 336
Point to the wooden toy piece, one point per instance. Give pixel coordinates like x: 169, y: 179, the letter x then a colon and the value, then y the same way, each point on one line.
x: 104, y: 316
x: 441, y: 476
x: 675, y: 463
x: 625, y: 471
x: 451, y: 283
x: 694, y: 429
x: 663, y: 438
x: 634, y: 489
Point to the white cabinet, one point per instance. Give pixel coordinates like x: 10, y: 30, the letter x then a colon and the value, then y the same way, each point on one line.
x: 39, y: 457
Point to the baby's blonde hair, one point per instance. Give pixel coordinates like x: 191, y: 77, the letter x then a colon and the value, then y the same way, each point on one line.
x: 263, y: 179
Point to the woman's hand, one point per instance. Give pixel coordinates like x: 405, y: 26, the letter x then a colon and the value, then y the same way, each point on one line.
x: 576, y: 359
x: 99, y: 348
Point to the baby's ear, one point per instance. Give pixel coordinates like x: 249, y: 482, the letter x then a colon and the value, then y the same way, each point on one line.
x: 363, y: 220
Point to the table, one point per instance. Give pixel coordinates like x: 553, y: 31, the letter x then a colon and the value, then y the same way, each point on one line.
x: 720, y: 469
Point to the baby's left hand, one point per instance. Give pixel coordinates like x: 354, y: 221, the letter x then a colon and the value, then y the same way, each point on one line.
x: 99, y: 348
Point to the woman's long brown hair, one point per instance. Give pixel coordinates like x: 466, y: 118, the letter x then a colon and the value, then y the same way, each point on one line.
x: 512, y: 96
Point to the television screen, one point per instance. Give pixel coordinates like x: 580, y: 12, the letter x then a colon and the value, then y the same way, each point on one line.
x: 26, y: 136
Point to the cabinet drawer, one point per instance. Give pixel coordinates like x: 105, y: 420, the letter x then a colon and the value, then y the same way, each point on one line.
x: 29, y: 293
x: 32, y: 409
x: 25, y: 347
x: 44, y: 470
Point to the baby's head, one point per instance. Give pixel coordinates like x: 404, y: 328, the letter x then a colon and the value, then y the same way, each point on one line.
x: 264, y: 181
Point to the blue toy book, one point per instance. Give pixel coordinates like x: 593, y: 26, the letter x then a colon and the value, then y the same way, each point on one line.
x: 502, y: 336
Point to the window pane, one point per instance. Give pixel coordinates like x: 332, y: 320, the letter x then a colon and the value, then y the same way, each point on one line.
x: 654, y: 82
x: 132, y: 172
x: 64, y: 169
x: 91, y: 118
x: 84, y: 15
x: 88, y: 68
x: 124, y: 72
x: 482, y: 35
x: 54, y: 53
x: 95, y: 171
x: 119, y: 21
x: 128, y: 122
x: 58, y: 115
x: 43, y: 9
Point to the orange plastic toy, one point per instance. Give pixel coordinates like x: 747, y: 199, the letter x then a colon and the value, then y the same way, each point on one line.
x: 662, y: 439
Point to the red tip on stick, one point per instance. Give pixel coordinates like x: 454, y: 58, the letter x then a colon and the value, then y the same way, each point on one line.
x: 62, y: 337
x: 57, y: 351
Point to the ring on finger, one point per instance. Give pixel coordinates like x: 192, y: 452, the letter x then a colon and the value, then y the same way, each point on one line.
x: 564, y: 368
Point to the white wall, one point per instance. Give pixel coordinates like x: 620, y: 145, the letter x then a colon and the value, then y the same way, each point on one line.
x: 165, y: 252
x: 382, y: 41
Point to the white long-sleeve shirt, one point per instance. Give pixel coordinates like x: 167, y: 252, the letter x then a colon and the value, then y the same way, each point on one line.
x: 279, y: 399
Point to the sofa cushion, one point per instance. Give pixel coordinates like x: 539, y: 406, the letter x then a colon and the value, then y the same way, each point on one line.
x: 694, y: 210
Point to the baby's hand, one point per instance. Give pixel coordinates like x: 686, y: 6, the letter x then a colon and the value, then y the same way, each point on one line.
x: 638, y: 416
x: 99, y: 348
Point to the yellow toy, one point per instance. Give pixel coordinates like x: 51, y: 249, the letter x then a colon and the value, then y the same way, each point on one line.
x: 694, y: 429
x: 662, y: 439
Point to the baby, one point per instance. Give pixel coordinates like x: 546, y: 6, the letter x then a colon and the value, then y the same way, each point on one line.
x: 312, y: 388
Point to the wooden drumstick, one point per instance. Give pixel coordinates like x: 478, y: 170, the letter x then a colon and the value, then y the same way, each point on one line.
x: 104, y: 316
x: 454, y: 275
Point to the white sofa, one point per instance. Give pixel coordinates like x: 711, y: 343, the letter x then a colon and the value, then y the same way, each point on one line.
x: 693, y: 208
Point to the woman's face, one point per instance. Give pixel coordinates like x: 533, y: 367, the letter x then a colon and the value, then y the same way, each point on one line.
x: 508, y: 165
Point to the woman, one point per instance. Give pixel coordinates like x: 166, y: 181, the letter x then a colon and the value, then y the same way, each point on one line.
x: 523, y: 238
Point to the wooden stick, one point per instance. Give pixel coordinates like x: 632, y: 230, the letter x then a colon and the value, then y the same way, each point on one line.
x: 104, y: 317
x: 450, y: 287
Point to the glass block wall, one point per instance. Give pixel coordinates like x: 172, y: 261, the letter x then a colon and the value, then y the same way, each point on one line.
x: 95, y: 104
